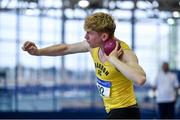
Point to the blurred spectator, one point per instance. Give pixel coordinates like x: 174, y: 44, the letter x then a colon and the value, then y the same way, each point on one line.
x: 166, y: 86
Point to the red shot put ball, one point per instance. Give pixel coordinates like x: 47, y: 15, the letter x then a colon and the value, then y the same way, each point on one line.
x: 109, y: 46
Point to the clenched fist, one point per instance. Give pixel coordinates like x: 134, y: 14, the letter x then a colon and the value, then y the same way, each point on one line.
x: 30, y: 47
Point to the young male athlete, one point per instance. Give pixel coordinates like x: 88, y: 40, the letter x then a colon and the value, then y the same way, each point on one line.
x: 115, y: 73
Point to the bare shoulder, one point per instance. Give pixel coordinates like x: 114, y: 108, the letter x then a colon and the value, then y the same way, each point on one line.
x: 129, y: 56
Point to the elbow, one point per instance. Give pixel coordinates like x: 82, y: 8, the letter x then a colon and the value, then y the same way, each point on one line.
x: 141, y: 81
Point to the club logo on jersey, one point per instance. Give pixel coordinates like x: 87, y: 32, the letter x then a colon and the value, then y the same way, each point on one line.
x: 101, y: 69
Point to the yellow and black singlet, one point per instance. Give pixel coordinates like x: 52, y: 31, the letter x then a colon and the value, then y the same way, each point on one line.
x: 116, y: 90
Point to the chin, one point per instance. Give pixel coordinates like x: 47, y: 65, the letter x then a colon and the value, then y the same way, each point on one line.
x: 92, y: 46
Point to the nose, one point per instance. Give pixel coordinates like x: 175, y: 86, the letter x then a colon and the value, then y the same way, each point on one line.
x: 86, y: 36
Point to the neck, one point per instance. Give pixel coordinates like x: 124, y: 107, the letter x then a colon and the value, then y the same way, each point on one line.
x: 165, y: 71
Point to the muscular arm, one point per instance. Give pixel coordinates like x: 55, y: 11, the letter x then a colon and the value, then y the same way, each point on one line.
x: 129, y: 67
x: 56, y: 50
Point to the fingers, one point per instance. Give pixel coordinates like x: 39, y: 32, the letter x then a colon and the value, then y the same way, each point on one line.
x: 28, y: 45
x: 117, y: 44
x: 118, y: 49
x: 23, y: 48
x: 120, y: 52
x: 32, y: 50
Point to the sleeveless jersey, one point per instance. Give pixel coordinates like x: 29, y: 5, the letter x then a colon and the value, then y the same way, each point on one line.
x: 115, y: 89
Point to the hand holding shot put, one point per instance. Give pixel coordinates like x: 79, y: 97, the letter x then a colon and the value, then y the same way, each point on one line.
x: 112, y: 48
x: 116, y: 65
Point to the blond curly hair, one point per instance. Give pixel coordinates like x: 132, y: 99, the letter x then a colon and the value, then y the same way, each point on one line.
x: 100, y: 22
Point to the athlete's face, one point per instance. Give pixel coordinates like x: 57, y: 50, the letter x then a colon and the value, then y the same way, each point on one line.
x: 94, y: 38
x: 165, y: 67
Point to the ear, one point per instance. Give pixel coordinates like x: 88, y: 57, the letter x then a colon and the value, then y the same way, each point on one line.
x: 104, y: 36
